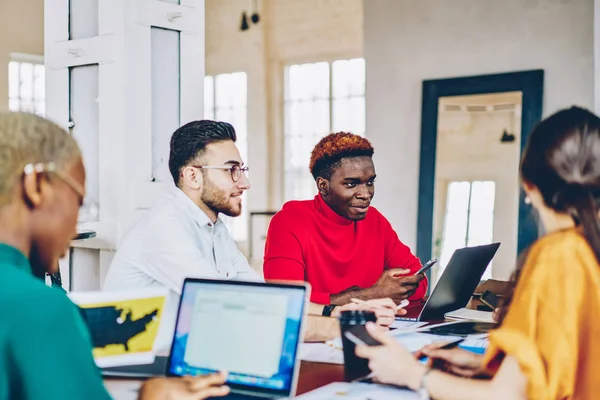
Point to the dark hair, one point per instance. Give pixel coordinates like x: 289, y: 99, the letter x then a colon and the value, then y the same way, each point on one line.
x: 189, y: 142
x: 562, y: 160
x: 327, y: 155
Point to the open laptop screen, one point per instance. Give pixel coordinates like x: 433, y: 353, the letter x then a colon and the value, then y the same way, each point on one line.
x: 251, y: 330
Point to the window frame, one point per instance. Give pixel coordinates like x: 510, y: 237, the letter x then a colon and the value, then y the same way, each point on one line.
x: 24, y: 58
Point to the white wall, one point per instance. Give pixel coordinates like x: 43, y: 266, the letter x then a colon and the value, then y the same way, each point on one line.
x: 407, y: 42
x: 21, y: 31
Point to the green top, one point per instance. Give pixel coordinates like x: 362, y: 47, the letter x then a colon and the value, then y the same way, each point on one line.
x: 45, y: 347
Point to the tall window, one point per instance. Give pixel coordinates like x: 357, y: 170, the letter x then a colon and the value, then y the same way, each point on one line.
x: 26, y: 84
x: 320, y: 98
x: 225, y: 99
x: 469, y: 218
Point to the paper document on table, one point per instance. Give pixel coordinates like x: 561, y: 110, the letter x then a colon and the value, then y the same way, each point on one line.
x: 359, y: 391
x: 322, y: 353
x: 479, y: 341
x: 335, y: 343
x: 407, y: 325
x: 470, y: 315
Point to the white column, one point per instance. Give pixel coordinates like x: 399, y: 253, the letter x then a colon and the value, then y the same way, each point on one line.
x: 122, y: 75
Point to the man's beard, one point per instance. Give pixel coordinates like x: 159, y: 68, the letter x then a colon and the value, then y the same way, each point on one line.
x: 218, y: 200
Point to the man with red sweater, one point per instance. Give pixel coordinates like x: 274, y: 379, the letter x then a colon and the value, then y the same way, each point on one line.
x: 339, y: 244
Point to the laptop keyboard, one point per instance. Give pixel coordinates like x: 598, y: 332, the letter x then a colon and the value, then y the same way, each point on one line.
x: 237, y: 396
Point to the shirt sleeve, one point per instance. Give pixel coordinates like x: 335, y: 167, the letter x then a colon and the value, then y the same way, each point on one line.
x: 283, y: 256
x: 52, y: 354
x: 399, y: 255
x: 244, y: 270
x: 541, y: 328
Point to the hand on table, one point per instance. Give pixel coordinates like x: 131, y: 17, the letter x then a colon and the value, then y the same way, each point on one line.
x: 185, y: 388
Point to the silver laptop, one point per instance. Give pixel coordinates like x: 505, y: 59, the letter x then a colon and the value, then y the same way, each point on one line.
x: 251, y: 330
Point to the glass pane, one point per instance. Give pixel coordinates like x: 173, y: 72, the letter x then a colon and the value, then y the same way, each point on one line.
x: 320, y: 117
x: 166, y: 95
x: 308, y: 81
x: 455, y: 224
x: 83, y: 19
x: 299, y: 184
x: 348, y: 78
x: 230, y: 105
x: 209, y: 96
x: 293, y: 119
x: 14, y: 105
x: 40, y: 107
x: 85, y: 113
x: 349, y: 115
x: 13, y: 79
x: 230, y: 90
x: 481, y: 214
x: 341, y: 115
x: 26, y: 81
x: 39, y: 82
x: 27, y: 106
x: 357, y: 115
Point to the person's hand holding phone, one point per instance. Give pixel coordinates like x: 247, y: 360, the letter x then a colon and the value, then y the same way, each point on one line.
x: 397, y: 284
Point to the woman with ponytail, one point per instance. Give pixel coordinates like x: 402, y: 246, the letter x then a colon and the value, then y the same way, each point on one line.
x: 548, y: 343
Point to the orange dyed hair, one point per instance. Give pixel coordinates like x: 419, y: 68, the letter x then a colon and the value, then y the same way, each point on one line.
x: 332, y: 148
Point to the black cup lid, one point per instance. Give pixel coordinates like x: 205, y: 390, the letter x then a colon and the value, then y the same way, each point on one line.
x: 357, y: 317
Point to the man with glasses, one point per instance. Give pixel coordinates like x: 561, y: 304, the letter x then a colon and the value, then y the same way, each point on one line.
x: 182, y: 235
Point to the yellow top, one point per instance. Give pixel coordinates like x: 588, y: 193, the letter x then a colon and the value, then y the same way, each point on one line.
x: 553, y: 325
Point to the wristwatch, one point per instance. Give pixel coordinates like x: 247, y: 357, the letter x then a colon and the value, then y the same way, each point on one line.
x: 423, y: 392
x: 327, y: 310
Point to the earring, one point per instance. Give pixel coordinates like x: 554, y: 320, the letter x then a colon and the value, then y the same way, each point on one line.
x: 527, y: 200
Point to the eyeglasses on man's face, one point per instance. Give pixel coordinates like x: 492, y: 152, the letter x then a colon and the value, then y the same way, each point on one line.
x: 234, y: 170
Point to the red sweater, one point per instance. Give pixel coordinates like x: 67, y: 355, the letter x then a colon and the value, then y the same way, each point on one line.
x: 308, y: 241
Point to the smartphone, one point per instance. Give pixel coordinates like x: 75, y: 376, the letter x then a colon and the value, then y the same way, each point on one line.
x: 360, y: 336
x: 490, y: 299
x: 427, y: 266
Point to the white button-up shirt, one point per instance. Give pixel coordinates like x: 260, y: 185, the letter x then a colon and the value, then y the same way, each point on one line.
x: 174, y: 241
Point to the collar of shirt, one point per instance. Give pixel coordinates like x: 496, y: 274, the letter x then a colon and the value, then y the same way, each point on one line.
x: 195, y: 212
x: 13, y: 257
x: 328, y: 212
